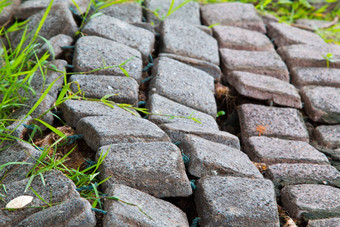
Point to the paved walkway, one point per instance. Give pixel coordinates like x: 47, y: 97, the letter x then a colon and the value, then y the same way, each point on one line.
x: 294, y: 134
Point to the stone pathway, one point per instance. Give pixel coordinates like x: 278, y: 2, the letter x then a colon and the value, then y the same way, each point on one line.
x: 289, y: 119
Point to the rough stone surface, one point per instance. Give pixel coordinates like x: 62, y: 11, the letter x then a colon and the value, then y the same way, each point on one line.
x: 75, y: 212
x: 154, y: 168
x: 315, y: 76
x: 91, y: 52
x: 74, y: 110
x: 265, y: 88
x: 322, y: 103
x: 18, y: 152
x: 235, y: 201
x: 328, y: 135
x: 291, y: 174
x: 233, y: 14
x: 31, y: 7
x: 130, y: 12
x: 212, y: 69
x: 241, y: 39
x: 303, y: 55
x: 208, y: 158
x: 190, y: 12
x: 183, y: 39
x: 58, y: 188
x: 125, y: 89
x: 58, y: 21
x: 311, y: 201
x: 184, y: 84
x: 8, y: 11
x: 103, y: 130
x: 330, y: 222
x: 119, y: 214
x: 160, y: 105
x: 258, y: 62
x: 56, y: 42
x: 176, y: 131
x: 285, y: 35
x: 121, y: 32
x: 274, y: 150
x: 284, y: 123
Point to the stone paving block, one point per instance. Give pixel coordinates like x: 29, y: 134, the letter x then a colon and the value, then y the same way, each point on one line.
x: 190, y: 12
x: 303, y: 55
x: 291, y: 174
x: 233, y: 14
x: 130, y: 12
x: 75, y: 212
x: 121, y: 32
x: 283, y: 123
x: 74, y: 110
x: 328, y: 135
x: 160, y: 105
x: 58, y: 188
x: 162, y: 212
x: 92, y: 53
x: 330, y: 222
x: 273, y: 150
x: 311, y: 201
x: 184, y: 84
x: 56, y: 42
x: 17, y: 127
x: 103, y: 130
x: 265, y: 88
x: 178, y: 130
x: 155, y: 168
x: 322, y: 104
x: 125, y: 89
x: 258, y: 62
x: 31, y: 7
x: 315, y: 76
x: 9, y: 10
x: 235, y: 201
x: 208, y: 158
x: 59, y: 21
x: 18, y: 152
x: 212, y: 69
x: 285, y: 35
x: 241, y: 39
x: 187, y: 40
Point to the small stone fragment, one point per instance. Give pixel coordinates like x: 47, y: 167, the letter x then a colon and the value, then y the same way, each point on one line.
x: 322, y: 104
x: 74, y: 110
x: 328, y: 135
x: 315, y: 76
x: 273, y: 150
x: 130, y: 12
x: 233, y: 14
x: 123, y: 89
x: 241, y: 39
x: 285, y: 35
x: 235, y: 201
x: 162, y: 213
x: 291, y: 174
x: 159, y: 105
x: 283, y: 123
x: 99, y: 131
x: 311, y: 201
x: 102, y: 56
x: 155, y: 168
x: 121, y: 32
x: 56, y: 42
x: 189, y: 41
x: 258, y: 62
x: 265, y: 88
x: 208, y: 158
x: 178, y: 130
